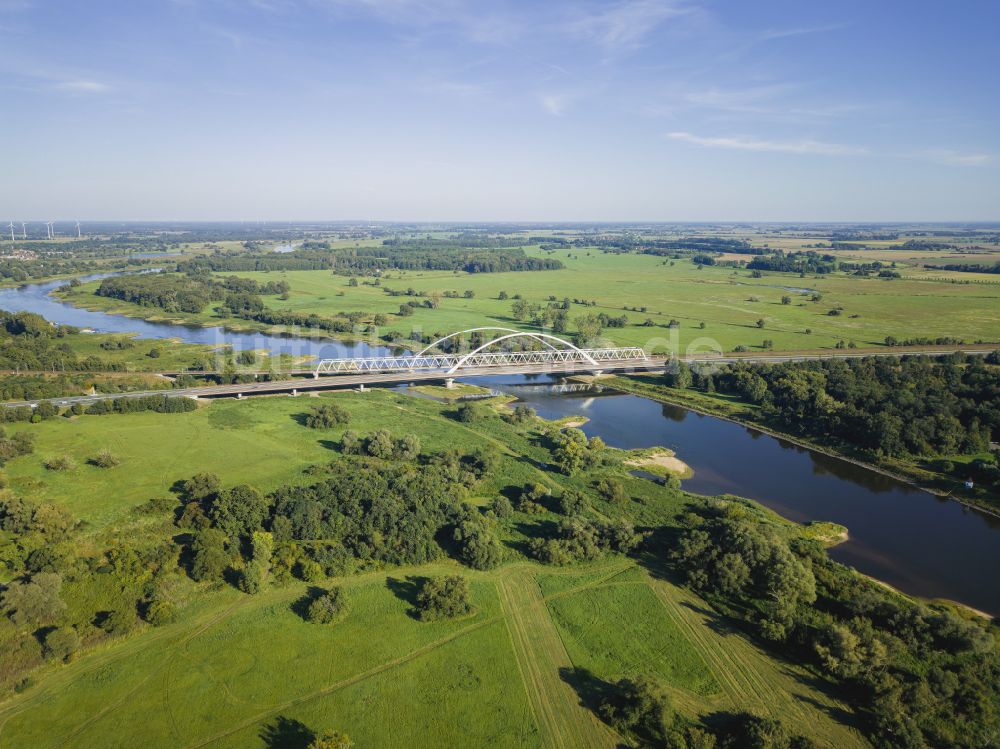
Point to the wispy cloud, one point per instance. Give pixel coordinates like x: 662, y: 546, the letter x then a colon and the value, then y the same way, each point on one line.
x: 554, y: 104
x: 957, y: 158
x: 82, y: 86
x: 803, y: 147
x: 625, y: 25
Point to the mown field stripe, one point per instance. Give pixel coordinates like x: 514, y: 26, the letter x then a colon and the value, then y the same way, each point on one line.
x: 564, y: 723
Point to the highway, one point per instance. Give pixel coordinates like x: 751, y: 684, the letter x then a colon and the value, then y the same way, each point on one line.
x: 332, y: 382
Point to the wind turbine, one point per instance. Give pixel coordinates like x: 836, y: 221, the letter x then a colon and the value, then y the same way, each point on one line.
x: 11, y: 224
x: 78, y: 234
x: 50, y: 229
x: 24, y: 231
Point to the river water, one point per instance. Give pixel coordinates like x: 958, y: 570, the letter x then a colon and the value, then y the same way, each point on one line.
x: 36, y: 298
x: 913, y: 540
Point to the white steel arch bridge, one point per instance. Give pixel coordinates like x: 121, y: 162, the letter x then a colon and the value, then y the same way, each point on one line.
x: 555, y: 352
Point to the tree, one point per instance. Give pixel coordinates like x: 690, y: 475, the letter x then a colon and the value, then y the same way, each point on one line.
x: 208, y: 555
x: 327, y: 416
x: 502, y: 507
x: 239, y: 511
x: 678, y: 375
x: 572, y: 503
x: 252, y: 577
x: 201, y: 486
x: 786, y: 299
x: 35, y: 602
x: 478, y: 548
x: 381, y: 444
x: 61, y: 644
x: 639, y: 705
x: 761, y: 323
x: 408, y: 447
x: 443, y: 598
x: 327, y: 608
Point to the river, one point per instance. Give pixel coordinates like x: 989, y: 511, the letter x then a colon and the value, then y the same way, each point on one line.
x: 37, y: 298
x: 913, y: 540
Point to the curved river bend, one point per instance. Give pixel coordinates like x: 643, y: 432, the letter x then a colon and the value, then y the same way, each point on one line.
x: 913, y: 540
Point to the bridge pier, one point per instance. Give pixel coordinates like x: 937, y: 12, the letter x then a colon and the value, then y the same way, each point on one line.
x: 239, y: 396
x: 294, y: 392
x: 361, y: 388
x: 449, y: 383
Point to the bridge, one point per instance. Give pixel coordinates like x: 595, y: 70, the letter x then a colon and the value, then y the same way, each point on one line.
x: 553, y: 352
x: 426, y: 366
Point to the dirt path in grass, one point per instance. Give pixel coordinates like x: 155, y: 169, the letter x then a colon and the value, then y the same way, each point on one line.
x: 564, y: 723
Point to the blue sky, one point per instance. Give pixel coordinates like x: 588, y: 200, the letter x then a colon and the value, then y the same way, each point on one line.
x: 455, y: 110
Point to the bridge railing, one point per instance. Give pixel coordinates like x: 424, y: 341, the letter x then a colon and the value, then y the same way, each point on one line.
x: 450, y: 362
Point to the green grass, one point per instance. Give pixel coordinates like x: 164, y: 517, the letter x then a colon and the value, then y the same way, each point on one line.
x: 719, y: 297
x: 619, y: 629
x: 260, y: 441
x: 237, y: 668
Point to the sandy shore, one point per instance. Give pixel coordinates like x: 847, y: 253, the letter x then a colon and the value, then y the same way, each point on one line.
x: 665, y: 460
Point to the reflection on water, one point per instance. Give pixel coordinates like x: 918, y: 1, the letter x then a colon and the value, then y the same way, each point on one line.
x: 913, y: 540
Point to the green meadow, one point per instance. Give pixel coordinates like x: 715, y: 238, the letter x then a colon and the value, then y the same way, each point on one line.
x: 728, y: 302
x: 248, y: 671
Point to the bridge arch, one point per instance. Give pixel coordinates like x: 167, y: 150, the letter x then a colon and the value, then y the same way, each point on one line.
x: 441, y: 340
x: 521, y: 334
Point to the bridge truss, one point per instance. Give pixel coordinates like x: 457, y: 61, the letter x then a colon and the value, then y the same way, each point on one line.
x: 557, y: 352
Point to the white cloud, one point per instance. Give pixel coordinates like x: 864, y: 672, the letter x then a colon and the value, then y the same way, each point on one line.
x: 803, y: 147
x: 624, y: 25
x: 82, y: 86
x: 957, y: 158
x: 554, y: 104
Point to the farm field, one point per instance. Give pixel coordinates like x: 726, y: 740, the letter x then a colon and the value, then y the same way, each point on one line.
x: 729, y: 302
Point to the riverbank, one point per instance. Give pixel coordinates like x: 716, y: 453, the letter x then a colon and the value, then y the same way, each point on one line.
x: 732, y: 409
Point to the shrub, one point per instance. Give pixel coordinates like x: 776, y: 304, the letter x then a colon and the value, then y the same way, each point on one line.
x: 309, y: 570
x: 443, y: 598
x: 471, y: 412
x: 160, y: 612
x: 61, y: 644
x: 331, y: 740
x: 327, y: 415
x: 639, y: 705
x: 60, y: 463
x: 502, y: 507
x: 105, y: 459
x: 328, y: 608
x: 116, y: 622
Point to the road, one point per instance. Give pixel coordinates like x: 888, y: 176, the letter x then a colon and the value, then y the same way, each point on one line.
x: 332, y: 382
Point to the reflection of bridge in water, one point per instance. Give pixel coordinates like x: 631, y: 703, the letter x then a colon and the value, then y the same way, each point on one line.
x: 548, y: 354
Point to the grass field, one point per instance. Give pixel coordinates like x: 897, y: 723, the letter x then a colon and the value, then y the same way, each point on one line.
x: 247, y: 671
x: 250, y: 672
x: 729, y: 302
